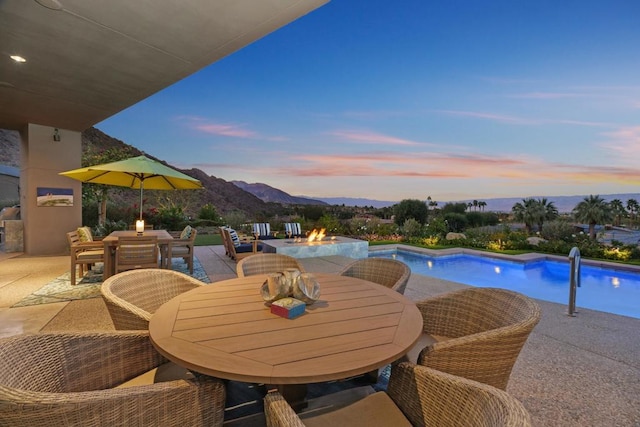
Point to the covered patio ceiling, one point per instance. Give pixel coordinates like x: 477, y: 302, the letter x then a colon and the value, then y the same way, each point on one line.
x: 87, y: 60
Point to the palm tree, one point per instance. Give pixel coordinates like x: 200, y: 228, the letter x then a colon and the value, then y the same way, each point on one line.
x: 633, y: 207
x: 482, y: 204
x: 592, y: 210
x: 475, y: 205
x: 549, y: 212
x: 529, y: 211
x: 617, y: 211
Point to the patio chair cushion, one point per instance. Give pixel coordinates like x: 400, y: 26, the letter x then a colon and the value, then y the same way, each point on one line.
x: 376, y: 409
x: 166, y: 372
x: 262, y: 228
x: 186, y: 233
x: 293, y: 228
x: 84, y: 234
x: 234, y: 237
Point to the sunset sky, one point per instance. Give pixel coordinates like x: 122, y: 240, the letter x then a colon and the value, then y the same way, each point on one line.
x: 392, y: 100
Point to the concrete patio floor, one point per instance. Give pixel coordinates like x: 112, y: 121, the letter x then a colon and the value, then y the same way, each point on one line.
x: 573, y: 371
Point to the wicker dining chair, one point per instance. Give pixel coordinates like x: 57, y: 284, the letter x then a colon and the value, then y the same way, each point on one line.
x: 391, y: 273
x: 72, y: 379
x: 475, y: 333
x: 133, y: 296
x: 416, y: 396
x: 266, y: 263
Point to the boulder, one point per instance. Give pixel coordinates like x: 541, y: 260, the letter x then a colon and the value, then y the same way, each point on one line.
x: 535, y: 241
x: 455, y: 236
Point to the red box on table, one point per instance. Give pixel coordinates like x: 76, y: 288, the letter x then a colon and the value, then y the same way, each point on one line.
x: 288, y: 307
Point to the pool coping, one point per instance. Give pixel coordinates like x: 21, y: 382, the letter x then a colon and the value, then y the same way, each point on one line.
x: 526, y: 258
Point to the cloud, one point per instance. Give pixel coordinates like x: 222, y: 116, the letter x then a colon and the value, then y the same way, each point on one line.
x: 522, y: 120
x: 624, y: 142
x: 547, y: 95
x: 236, y: 131
x: 223, y: 129
x: 489, y: 116
x: 367, y: 137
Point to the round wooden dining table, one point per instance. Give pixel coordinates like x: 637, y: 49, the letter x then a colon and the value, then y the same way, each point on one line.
x: 226, y: 330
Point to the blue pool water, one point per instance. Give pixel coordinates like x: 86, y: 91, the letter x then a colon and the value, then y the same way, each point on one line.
x: 612, y: 291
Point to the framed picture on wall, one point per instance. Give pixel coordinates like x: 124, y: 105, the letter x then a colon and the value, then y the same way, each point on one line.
x: 54, y: 196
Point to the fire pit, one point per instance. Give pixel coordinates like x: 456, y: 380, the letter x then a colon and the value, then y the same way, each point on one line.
x: 318, y: 246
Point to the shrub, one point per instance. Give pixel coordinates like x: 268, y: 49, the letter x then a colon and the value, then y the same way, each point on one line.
x: 411, y: 228
x: 208, y: 212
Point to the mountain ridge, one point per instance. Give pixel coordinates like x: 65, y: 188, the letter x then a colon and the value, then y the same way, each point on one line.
x: 228, y: 196
x: 268, y: 194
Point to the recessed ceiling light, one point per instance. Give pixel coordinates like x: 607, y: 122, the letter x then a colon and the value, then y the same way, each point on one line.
x: 18, y: 58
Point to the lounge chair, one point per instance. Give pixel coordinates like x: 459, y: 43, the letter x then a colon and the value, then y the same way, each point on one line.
x: 416, y: 396
x: 80, y: 379
x: 387, y: 272
x: 292, y: 229
x: 476, y: 333
x: 262, y: 230
x: 237, y: 250
x: 266, y: 263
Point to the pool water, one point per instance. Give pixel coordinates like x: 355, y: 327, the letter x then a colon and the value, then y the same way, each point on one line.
x: 612, y: 291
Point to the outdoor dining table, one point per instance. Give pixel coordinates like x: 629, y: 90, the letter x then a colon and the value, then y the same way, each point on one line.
x: 111, y: 241
x: 226, y: 330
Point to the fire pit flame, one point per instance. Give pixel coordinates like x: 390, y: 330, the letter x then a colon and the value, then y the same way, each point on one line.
x: 316, y: 236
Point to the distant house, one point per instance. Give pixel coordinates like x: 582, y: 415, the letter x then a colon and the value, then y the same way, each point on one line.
x: 9, y: 185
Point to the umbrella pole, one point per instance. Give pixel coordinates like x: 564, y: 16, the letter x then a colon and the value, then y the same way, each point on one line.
x: 141, y: 184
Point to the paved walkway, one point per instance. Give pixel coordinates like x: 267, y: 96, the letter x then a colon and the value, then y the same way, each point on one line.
x: 573, y: 371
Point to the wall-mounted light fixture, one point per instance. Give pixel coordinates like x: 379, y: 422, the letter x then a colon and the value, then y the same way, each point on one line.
x: 56, y: 135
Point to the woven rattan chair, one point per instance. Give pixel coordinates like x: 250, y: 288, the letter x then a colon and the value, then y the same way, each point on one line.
x: 135, y: 252
x: 83, y: 254
x: 387, y: 272
x: 133, y: 296
x: 266, y: 263
x: 68, y: 379
x: 416, y: 396
x: 476, y: 333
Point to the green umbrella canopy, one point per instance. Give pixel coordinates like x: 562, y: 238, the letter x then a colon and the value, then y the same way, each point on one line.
x: 137, y: 172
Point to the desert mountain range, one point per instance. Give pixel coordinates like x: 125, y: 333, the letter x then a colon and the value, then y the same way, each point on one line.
x: 258, y: 199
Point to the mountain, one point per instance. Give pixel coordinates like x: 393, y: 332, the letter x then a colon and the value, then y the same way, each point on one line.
x: 222, y: 194
x: 564, y: 204
x: 355, y: 201
x: 256, y: 199
x: 269, y: 194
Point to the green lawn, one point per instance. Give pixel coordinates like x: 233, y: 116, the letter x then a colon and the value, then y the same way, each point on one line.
x: 208, y: 239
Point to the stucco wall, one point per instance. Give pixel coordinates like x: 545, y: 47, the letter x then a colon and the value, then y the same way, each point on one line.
x: 42, y: 158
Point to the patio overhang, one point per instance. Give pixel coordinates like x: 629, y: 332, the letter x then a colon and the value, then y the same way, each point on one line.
x: 87, y: 60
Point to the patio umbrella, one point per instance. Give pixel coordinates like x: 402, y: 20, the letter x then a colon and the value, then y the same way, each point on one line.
x: 137, y: 172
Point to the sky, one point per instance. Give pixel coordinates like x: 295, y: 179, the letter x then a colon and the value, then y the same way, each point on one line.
x: 453, y: 100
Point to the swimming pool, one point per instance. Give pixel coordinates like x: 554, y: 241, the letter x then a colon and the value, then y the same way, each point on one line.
x: 612, y: 291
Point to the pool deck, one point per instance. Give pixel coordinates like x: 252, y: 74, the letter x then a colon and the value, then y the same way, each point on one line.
x: 573, y: 371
